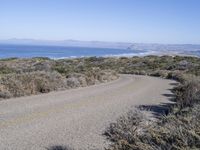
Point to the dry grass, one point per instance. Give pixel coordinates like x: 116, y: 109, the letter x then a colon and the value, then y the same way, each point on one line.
x: 30, y: 83
x: 172, y: 132
x: 188, y: 93
x: 22, y: 77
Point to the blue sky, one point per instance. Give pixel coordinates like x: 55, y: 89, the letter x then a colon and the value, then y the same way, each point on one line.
x: 151, y: 21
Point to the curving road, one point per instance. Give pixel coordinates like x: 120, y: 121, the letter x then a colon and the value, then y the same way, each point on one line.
x: 76, y: 117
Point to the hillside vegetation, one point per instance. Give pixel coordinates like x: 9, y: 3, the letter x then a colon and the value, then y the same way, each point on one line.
x: 178, y: 129
x: 20, y: 77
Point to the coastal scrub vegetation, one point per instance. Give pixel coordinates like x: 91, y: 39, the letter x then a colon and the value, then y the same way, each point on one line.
x: 178, y: 129
x: 20, y: 77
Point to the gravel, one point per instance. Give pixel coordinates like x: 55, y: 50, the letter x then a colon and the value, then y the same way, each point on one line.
x: 77, y: 117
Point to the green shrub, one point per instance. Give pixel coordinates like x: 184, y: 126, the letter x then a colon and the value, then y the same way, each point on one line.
x: 6, y: 70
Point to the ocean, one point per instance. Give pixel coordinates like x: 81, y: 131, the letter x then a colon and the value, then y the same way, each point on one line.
x: 58, y: 52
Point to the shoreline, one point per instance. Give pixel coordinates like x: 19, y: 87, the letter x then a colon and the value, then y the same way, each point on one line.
x: 127, y: 55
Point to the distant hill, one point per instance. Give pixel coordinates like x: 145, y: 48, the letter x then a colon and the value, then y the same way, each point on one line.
x: 165, y: 47
x: 75, y: 43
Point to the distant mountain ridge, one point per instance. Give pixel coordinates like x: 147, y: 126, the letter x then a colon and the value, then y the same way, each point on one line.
x: 75, y: 43
x: 165, y: 47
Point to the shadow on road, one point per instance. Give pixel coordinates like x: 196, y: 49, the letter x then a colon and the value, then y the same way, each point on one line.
x: 59, y: 147
x: 160, y: 109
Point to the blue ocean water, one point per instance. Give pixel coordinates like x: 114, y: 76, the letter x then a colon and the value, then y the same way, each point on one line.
x: 56, y: 52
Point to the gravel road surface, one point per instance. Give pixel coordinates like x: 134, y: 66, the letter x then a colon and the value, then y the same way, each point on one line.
x: 76, y: 117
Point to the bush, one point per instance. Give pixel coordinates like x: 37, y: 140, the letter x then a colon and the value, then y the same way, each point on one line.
x: 188, y: 93
x: 6, y: 70
x: 29, y: 83
x: 172, y: 132
x: 15, y: 85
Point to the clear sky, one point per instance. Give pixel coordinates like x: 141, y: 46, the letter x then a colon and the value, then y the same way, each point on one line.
x: 157, y: 21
